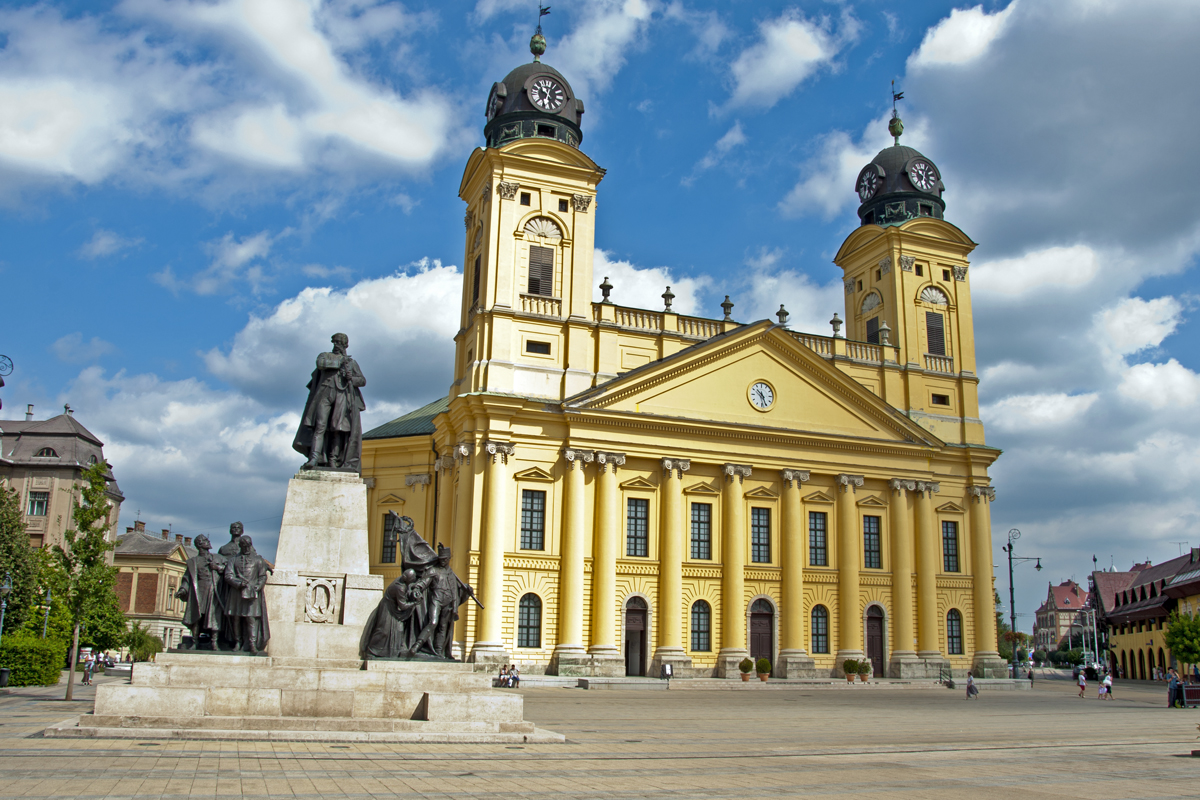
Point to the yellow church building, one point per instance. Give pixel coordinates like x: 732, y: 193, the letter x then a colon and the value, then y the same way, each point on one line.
x: 627, y: 487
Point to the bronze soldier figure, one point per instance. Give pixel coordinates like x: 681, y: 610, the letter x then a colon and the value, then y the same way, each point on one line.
x: 330, y: 432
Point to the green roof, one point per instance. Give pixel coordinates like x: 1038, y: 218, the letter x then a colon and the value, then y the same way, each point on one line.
x: 414, y: 423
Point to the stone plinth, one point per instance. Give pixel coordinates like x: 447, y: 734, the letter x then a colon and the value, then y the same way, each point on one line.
x: 795, y: 664
x: 585, y: 665
x: 322, y: 592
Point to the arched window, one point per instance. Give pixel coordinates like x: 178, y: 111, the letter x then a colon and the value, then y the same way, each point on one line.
x: 93, y: 461
x: 820, y: 629
x: 954, y: 636
x: 529, y: 621
x: 541, y: 258
x: 45, y: 452
x: 701, y: 626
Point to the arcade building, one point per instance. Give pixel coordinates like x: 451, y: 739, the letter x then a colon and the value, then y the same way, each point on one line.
x: 626, y: 487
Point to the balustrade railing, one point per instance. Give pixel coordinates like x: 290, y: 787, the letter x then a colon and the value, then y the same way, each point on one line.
x: 939, y: 363
x: 637, y: 318
x: 701, y: 328
x: 541, y: 305
x: 822, y: 345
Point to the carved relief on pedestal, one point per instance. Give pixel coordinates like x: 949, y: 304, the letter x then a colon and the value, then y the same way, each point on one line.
x: 322, y: 599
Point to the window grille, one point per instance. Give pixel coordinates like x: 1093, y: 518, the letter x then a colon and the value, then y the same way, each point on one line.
x: 46, y: 452
x: 529, y: 621
x: 541, y: 270
x: 872, y: 558
x: 760, y: 535
x: 637, y: 527
x: 38, y: 503
x: 873, y: 330
x: 818, y: 555
x: 820, y: 629
x: 388, y: 553
x: 954, y: 637
x: 701, y: 627
x: 950, y: 546
x: 533, y: 519
x: 935, y: 332
x: 701, y: 531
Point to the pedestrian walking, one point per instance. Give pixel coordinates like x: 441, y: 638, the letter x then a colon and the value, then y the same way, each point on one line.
x: 972, y: 689
x: 1108, y: 686
x: 1082, y: 683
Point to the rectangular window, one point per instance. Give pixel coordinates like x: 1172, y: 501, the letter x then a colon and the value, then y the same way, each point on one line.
x: 860, y: 286
x: 701, y: 531
x: 760, y: 535
x: 637, y: 527
x: 872, y: 558
x: 475, y: 281
x: 818, y: 555
x: 387, y: 554
x: 562, y: 206
x: 526, y: 199
x: 945, y: 274
x: 873, y: 330
x: 546, y: 130
x: 541, y: 270
x: 920, y: 270
x: 950, y: 546
x: 533, y: 519
x: 38, y: 503
x: 538, y: 348
x: 941, y: 399
x: 935, y: 332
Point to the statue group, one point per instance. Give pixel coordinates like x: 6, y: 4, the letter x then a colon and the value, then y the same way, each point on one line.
x: 225, y: 608
x: 415, y: 619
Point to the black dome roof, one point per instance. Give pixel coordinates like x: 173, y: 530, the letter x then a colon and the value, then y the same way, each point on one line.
x: 895, y: 197
x: 512, y: 115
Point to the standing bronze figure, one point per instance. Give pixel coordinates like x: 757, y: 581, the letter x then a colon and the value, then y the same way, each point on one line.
x: 201, y: 591
x: 330, y: 432
x: 227, y: 636
x: 246, y: 574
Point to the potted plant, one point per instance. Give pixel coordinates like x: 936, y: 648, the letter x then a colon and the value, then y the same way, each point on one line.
x: 763, y: 668
x: 864, y: 670
x: 850, y: 667
x: 746, y: 667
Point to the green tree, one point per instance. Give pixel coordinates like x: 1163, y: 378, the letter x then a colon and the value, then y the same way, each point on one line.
x: 142, y: 644
x: 17, y: 561
x: 1183, y: 637
x: 50, y: 578
x: 88, y: 575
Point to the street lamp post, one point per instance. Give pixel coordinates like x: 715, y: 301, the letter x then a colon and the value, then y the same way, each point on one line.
x: 46, y: 618
x: 1013, y: 535
x: 5, y: 590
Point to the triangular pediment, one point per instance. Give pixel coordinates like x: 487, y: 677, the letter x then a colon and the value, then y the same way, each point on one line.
x: 392, y: 500
x: 818, y: 497
x: 638, y: 483
x: 712, y: 383
x: 951, y: 508
x: 873, y: 502
x: 534, y: 474
x: 701, y: 488
x: 761, y: 492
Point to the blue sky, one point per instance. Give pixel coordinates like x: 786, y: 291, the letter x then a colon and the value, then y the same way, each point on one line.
x: 193, y: 194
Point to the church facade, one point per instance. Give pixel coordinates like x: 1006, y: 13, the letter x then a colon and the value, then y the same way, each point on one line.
x: 627, y: 487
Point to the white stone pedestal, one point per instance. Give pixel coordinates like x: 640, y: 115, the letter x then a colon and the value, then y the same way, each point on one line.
x: 322, y: 591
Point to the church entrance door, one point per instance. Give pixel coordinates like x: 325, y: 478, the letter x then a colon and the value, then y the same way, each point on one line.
x: 762, y: 631
x: 636, y: 612
x: 875, y: 640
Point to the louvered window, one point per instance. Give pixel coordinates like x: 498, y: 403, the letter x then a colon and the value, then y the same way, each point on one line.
x: 475, y: 282
x: 873, y: 330
x: 541, y: 270
x: 935, y: 331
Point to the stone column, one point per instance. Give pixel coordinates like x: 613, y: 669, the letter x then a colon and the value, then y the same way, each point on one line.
x: 850, y: 635
x: 733, y: 572
x: 443, y: 468
x: 903, y: 662
x: 605, y: 542
x: 928, y: 552
x: 986, y: 663
x: 670, y: 568
x: 794, y: 661
x: 569, y: 652
x: 489, y: 642
x: 460, y: 560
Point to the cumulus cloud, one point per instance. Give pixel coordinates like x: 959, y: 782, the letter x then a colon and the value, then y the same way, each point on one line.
x: 768, y: 284
x: 106, y: 243
x: 1037, y: 411
x: 642, y: 287
x: 234, y: 260
x: 1135, y: 324
x: 791, y: 47
x: 963, y: 36
x: 734, y: 137
x: 1060, y: 267
x: 72, y: 349
x: 1169, y: 385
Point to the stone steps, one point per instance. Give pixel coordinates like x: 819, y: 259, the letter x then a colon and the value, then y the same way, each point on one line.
x: 301, y: 724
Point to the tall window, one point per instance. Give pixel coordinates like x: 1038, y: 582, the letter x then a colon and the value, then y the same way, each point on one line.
x: 760, y: 535
x: 533, y: 519
x: 820, y: 629
x: 935, y: 332
x: 871, y: 547
x: 701, y: 531
x: 475, y: 280
x: 818, y: 554
x: 701, y: 626
x: 873, y: 330
x: 38, y: 501
x: 954, y: 642
x: 637, y: 527
x: 541, y: 270
x: 388, y: 554
x: 529, y: 621
x: 950, y: 546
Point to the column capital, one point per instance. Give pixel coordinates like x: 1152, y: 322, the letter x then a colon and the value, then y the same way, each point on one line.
x: 417, y: 480
x: 499, y: 451
x: 797, y: 475
x: 929, y: 488
x: 580, y: 457
x: 900, y: 485
x: 849, y: 482
x: 679, y: 465
x: 461, y: 452
x: 741, y: 471
x: 605, y: 459
x: 443, y: 463
x: 980, y: 493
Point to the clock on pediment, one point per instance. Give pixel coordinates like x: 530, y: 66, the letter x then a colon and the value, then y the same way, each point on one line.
x: 761, y: 395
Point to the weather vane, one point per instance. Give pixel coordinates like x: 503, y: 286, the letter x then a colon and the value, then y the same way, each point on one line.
x: 537, y: 43
x: 895, y: 125
x: 542, y: 11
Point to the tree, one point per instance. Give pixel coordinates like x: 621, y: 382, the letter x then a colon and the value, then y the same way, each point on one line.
x: 142, y: 645
x: 88, y: 574
x: 50, y: 577
x: 1183, y: 637
x: 17, y: 560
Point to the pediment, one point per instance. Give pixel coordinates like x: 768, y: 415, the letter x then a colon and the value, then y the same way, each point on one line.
x: 711, y: 383
x: 873, y: 502
x: 818, y: 497
x: 951, y: 508
x: 534, y: 474
x: 392, y: 500
x: 638, y: 483
x: 761, y: 492
x: 701, y: 488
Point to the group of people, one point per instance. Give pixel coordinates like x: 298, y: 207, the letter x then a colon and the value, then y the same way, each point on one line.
x: 509, y: 678
x: 1175, y: 683
x: 93, y: 660
x: 1103, y: 691
x: 225, y: 608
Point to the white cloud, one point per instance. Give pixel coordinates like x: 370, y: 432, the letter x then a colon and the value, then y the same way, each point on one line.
x: 963, y: 36
x: 1161, y: 386
x: 1135, y: 324
x: 72, y: 349
x: 643, y: 287
x: 734, y: 137
x: 598, y: 46
x: 1032, y: 412
x: 767, y: 286
x: 234, y: 261
x: 106, y: 243
x: 1061, y: 267
x: 791, y: 47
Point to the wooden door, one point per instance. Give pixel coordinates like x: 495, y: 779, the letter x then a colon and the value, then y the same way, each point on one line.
x: 635, y: 637
x: 875, y: 641
x: 762, y: 631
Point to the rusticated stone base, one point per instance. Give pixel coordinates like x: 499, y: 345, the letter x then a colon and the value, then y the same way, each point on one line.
x: 989, y: 665
x: 580, y: 664
x: 795, y: 665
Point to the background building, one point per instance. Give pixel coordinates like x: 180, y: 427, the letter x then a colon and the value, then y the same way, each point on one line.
x: 1057, y: 615
x: 1143, y: 599
x: 149, y: 570
x: 630, y: 486
x: 44, y: 460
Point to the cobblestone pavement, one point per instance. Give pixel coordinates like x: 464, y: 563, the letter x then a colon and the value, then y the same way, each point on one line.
x: 906, y: 743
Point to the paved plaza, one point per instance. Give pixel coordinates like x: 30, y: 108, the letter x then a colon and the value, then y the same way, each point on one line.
x: 746, y: 743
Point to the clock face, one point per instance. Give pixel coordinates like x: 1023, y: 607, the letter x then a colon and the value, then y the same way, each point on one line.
x: 868, y: 184
x: 923, y: 175
x: 762, y: 396
x: 547, y: 94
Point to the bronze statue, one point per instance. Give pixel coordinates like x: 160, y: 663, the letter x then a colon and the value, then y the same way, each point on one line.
x: 228, y: 633
x: 201, y: 591
x: 330, y: 432
x: 245, y: 575
x: 391, y: 631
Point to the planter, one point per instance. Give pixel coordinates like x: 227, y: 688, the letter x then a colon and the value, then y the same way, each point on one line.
x: 850, y: 678
x: 745, y: 676
x: 762, y: 676
x: 863, y: 677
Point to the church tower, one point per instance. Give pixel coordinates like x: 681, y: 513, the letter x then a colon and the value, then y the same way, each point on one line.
x: 905, y: 275
x: 530, y: 219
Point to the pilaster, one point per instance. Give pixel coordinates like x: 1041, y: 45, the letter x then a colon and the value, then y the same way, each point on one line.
x: 569, y: 650
x: 460, y: 559
x: 986, y: 662
x: 489, y: 644
x: 793, y: 660
x: 733, y: 572
x: 850, y: 635
x: 670, y: 568
x: 604, y: 561
x: 928, y: 551
x: 903, y: 662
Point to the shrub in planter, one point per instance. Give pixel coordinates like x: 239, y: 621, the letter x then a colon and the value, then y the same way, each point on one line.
x: 34, y: 661
x: 762, y: 666
x: 850, y: 667
x: 746, y: 667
